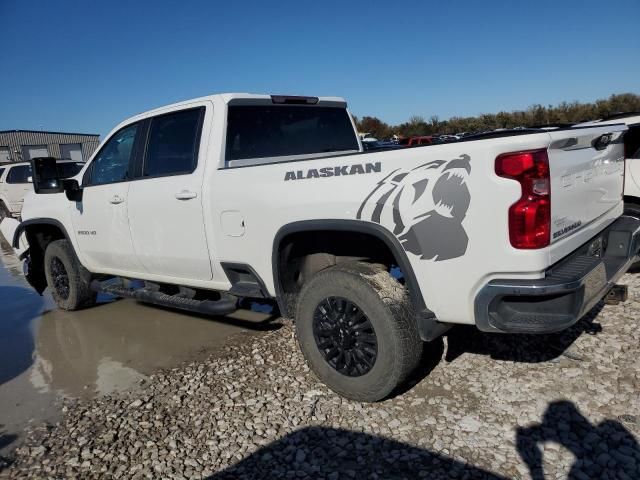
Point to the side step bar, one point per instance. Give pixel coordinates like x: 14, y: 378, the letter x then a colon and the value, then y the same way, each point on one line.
x: 226, y: 305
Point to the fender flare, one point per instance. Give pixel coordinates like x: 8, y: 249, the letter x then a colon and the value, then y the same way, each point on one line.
x: 38, y: 221
x: 359, y: 226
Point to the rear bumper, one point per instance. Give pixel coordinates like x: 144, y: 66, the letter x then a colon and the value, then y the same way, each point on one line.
x: 569, y: 289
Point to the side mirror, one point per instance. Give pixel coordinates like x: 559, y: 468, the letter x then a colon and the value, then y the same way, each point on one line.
x: 73, y: 190
x: 45, y: 175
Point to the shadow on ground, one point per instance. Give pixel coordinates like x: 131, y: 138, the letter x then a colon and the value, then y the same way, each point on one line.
x: 606, y: 450
x: 521, y: 348
x: 6, y: 439
x: 321, y: 452
x: 266, y: 325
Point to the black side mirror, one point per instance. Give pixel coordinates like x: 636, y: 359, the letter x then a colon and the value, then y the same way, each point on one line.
x: 73, y: 190
x: 45, y: 175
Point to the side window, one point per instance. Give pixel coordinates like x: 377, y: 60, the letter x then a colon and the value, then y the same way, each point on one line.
x: 112, y: 163
x: 1, y: 173
x: 19, y: 174
x: 172, y: 148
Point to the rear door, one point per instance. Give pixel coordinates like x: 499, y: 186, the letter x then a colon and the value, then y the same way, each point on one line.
x: 587, y: 168
x: 165, y: 200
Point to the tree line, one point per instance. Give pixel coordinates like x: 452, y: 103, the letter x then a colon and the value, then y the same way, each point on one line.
x: 535, y: 115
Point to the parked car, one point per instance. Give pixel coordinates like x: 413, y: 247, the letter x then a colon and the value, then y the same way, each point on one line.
x: 15, y: 182
x: 420, y: 140
x: 271, y: 197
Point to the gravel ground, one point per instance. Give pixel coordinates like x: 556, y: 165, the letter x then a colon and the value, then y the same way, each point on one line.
x: 482, y: 406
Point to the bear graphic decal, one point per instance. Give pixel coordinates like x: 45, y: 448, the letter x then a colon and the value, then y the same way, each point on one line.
x: 426, y: 206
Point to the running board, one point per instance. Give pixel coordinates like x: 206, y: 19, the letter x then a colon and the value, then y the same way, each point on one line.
x: 226, y: 305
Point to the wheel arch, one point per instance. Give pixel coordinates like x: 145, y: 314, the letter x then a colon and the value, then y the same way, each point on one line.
x: 39, y: 232
x: 346, y: 226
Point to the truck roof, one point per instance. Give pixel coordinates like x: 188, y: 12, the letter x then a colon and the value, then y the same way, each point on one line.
x: 246, y: 98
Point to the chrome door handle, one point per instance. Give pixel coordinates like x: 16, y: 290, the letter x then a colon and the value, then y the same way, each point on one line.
x: 116, y: 199
x: 186, y: 195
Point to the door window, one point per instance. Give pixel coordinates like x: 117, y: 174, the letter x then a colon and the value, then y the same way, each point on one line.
x: 69, y: 169
x: 1, y: 172
x: 19, y: 174
x: 173, y: 143
x: 112, y: 162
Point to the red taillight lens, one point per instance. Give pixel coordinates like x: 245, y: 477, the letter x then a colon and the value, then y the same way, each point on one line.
x: 529, y: 217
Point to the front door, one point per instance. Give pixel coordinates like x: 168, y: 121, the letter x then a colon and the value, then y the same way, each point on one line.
x: 165, y: 203
x: 100, y: 220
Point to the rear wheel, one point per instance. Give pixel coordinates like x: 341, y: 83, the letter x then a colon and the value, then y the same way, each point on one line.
x: 356, y: 328
x: 67, y: 279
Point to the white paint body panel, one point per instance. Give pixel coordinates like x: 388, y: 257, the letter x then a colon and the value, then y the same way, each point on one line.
x: 632, y: 165
x: 184, y: 243
x: 101, y: 228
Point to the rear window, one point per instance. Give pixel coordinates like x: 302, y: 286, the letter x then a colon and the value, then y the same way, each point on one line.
x: 19, y: 174
x: 66, y: 170
x: 260, y: 131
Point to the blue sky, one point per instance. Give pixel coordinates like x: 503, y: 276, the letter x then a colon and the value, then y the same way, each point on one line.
x: 86, y: 65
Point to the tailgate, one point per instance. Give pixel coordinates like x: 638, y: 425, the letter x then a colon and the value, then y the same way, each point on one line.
x: 587, y: 168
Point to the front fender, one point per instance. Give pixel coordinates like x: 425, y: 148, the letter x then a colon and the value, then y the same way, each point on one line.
x: 9, y: 228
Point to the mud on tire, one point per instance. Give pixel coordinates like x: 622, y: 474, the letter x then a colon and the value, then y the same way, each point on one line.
x: 321, y: 327
x: 68, y: 281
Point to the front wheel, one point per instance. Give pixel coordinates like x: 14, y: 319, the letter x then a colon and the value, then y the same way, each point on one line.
x: 356, y: 328
x: 67, y: 279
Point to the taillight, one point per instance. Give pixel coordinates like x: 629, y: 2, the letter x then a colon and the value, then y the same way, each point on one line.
x: 530, y: 216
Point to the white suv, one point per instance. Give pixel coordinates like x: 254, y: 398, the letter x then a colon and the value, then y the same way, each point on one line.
x: 15, y: 182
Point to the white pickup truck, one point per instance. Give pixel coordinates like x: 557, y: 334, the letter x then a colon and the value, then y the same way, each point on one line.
x: 197, y: 204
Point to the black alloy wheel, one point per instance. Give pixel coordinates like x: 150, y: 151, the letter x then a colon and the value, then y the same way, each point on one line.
x: 345, y: 336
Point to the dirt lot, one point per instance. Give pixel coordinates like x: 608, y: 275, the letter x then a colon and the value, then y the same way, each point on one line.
x: 483, y: 406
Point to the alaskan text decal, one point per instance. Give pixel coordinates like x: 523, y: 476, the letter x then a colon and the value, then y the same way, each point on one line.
x: 426, y: 206
x: 340, y: 171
